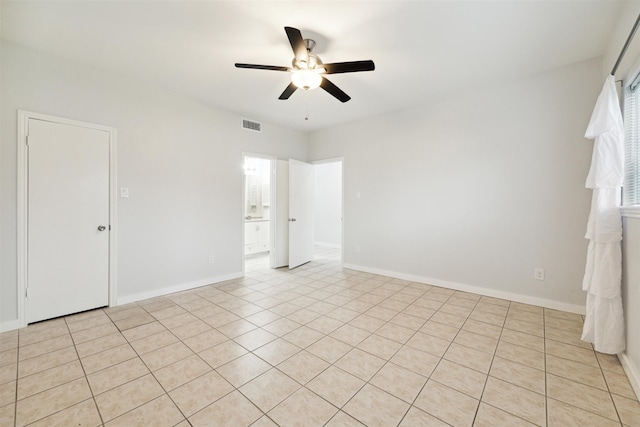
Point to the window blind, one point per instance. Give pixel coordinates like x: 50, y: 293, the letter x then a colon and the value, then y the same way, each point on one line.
x: 631, y: 191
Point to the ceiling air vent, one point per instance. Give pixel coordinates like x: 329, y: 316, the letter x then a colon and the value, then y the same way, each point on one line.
x: 249, y: 125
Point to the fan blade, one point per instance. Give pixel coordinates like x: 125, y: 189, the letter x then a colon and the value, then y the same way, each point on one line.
x: 288, y: 91
x: 262, y: 67
x: 349, y: 67
x: 297, y: 43
x: 334, y: 90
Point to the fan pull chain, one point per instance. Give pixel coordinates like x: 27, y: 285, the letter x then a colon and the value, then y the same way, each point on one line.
x: 306, y: 104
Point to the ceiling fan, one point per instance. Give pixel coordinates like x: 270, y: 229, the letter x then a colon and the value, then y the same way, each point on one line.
x: 307, y: 70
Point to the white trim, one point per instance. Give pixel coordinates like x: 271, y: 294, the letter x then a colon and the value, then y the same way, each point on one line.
x: 630, y: 211
x: 632, y: 372
x: 10, y: 325
x: 525, y: 299
x: 177, y: 288
x: 22, y: 197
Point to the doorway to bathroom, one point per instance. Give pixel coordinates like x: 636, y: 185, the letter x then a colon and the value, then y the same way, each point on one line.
x: 258, y: 207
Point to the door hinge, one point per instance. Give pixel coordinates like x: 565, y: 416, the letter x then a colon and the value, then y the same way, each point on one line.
x: 109, y: 227
x: 26, y: 292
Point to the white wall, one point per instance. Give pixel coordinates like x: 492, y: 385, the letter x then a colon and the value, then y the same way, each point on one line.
x: 631, y: 233
x: 327, y: 204
x: 477, y: 190
x: 181, y: 160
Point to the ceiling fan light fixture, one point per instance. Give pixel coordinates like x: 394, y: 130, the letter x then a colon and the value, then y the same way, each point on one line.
x: 306, y: 79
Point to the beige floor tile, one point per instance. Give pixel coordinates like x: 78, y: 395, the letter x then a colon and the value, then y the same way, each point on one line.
x: 383, y: 313
x: 430, y: 344
x: 447, y: 404
x: 416, y: 360
x: 221, y: 354
x: 277, y: 351
x: 93, y: 333
x: 303, y: 337
x: 31, y: 334
x: 303, y: 366
x: 50, y: 378
x: 571, y: 352
x: 609, y: 362
x: 38, y: 406
x: 522, y: 355
x: 255, y: 338
x: 449, y: 319
x: 525, y: 316
x: 8, y: 393
x: 282, y: 326
x: 342, y: 419
x: 8, y: 373
x: 46, y: 361
x: 361, y: 364
x: 128, y: 396
x: 107, y: 358
x: 396, y: 333
x: 567, y: 337
x: 269, y: 389
x: 490, y: 318
x: 582, y: 396
x: 46, y: 346
x: 81, y: 414
x: 263, y: 318
x: 400, y: 382
x: 460, y: 378
x: 142, y: 331
x: 116, y: 375
x: 168, y: 311
x: 536, y: 329
x: 264, y: 421
x: 486, y: 307
x: 181, y: 372
x: 303, y: 409
x: 523, y: 339
x: 243, y: 369
x: 191, y: 329
x: 575, y: 371
x: 418, y: 418
x: 329, y: 349
x: 160, y: 412
x: 408, y: 321
x: 178, y: 320
x: 574, y: 326
x: 336, y: 386
x: 205, y: 340
x: 490, y: 416
x: 232, y: 410
x: 133, y: 321
x: 516, y: 400
x: 376, y: 408
x: 153, y: 342
x: 440, y: 330
x: 88, y: 348
x: 368, y: 323
x: 201, y: 392
x: 476, y: 341
x: 165, y: 356
x: 619, y: 384
x: 380, y: 346
x: 343, y: 314
x: 560, y: 414
x: 482, y: 328
x: 350, y: 334
x: 629, y: 410
x: 325, y: 324
x: 518, y: 374
x: 469, y: 357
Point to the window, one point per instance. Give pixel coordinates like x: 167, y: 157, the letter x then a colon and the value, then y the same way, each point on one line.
x: 631, y: 191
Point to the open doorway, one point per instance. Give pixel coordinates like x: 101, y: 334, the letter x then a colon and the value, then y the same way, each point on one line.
x: 257, y: 211
x: 328, y: 210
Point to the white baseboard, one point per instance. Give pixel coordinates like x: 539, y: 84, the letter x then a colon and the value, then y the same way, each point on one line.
x: 177, y: 288
x: 525, y: 299
x: 632, y: 371
x: 328, y: 245
x: 10, y: 325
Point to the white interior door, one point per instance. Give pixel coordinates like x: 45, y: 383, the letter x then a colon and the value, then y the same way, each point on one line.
x: 281, y: 218
x: 68, y: 219
x: 301, y: 187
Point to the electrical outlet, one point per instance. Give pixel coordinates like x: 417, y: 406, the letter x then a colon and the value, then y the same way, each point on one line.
x: 212, y: 259
x: 538, y: 273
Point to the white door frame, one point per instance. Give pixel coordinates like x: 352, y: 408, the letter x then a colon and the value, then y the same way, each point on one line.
x: 22, y: 196
x: 336, y: 160
x: 272, y: 201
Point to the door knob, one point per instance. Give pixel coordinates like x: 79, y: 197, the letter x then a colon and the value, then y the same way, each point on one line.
x: 101, y: 228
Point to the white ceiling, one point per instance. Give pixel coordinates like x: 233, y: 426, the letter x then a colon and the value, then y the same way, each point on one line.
x: 422, y: 49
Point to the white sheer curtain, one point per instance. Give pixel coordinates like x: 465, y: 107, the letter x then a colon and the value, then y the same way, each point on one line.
x: 604, y: 323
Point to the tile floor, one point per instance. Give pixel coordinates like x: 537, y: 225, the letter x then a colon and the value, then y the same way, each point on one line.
x: 319, y: 345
